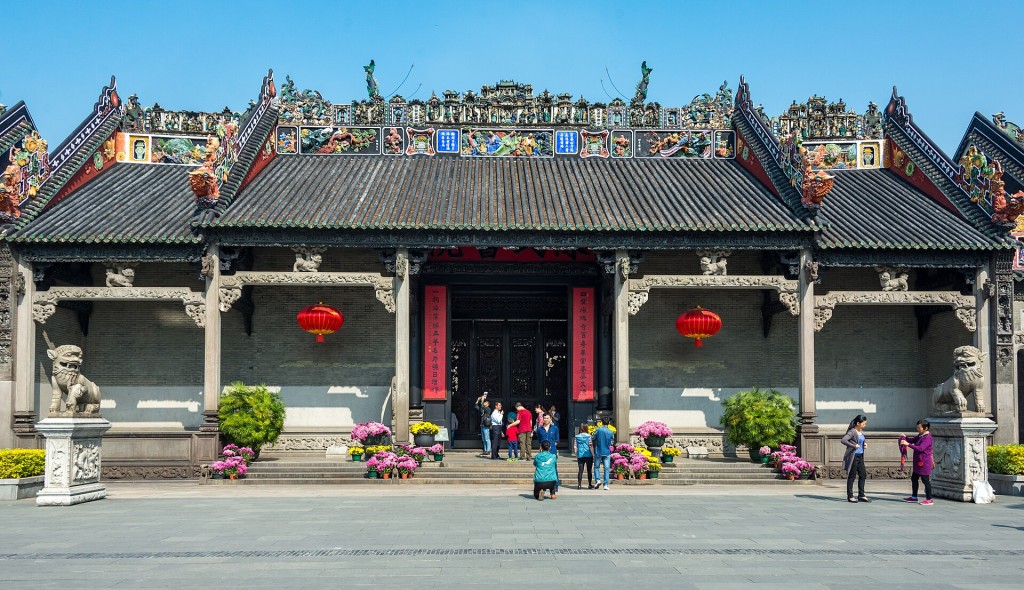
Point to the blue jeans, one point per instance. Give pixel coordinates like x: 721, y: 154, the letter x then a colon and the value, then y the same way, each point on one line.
x: 606, y: 462
x: 485, y: 435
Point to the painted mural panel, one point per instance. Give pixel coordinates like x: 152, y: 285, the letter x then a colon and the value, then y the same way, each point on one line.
x: 287, y: 140
x: 725, y: 144
x: 420, y: 142
x: 844, y: 155
x: 394, y: 141
x: 161, y: 149
x: 595, y: 144
x: 682, y: 143
x: 508, y: 143
x: 622, y: 143
x: 345, y: 141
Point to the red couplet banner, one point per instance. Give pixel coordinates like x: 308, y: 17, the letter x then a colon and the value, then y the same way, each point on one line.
x: 583, y: 313
x: 435, y: 340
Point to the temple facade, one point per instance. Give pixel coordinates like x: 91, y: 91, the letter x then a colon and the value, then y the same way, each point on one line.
x: 531, y: 245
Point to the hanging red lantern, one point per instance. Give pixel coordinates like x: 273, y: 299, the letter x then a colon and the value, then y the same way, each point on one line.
x: 320, y: 319
x: 698, y: 323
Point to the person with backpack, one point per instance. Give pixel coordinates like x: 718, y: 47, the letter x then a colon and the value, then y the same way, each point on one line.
x: 924, y: 461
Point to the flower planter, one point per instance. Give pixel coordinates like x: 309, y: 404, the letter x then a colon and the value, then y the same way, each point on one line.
x: 385, y: 475
x: 653, y: 474
x: 791, y: 477
x: 20, y: 487
x: 1007, y: 485
x: 754, y: 453
x: 765, y: 459
x: 375, y: 440
x: 619, y: 476
x: 423, y: 440
x: 372, y: 474
x: 642, y: 476
x: 438, y: 457
x: 357, y: 458
x: 654, y: 441
x: 667, y: 458
x: 232, y: 476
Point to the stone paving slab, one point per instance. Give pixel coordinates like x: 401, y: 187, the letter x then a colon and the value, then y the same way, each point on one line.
x: 157, y: 535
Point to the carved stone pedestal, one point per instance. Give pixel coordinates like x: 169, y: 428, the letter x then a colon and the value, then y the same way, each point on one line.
x: 960, y: 458
x: 72, y: 460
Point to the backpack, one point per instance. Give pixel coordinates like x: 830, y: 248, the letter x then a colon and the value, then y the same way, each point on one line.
x: 485, y: 418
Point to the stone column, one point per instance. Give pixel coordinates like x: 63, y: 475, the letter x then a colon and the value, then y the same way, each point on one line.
x: 8, y: 307
x: 1004, y: 402
x: 211, y: 359
x: 24, y: 359
x: 621, y: 343
x: 605, y: 344
x: 983, y: 335
x: 400, y: 401
x: 812, y: 446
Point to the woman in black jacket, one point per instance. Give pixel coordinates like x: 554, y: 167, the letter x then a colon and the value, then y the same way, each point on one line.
x: 853, y: 460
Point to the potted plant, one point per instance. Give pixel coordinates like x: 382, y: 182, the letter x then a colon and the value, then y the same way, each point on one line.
x: 423, y: 433
x: 251, y: 415
x: 372, y: 450
x: 758, y: 418
x: 233, y: 450
x: 406, y: 466
x: 22, y: 473
x: 371, y: 433
x: 356, y: 453
x: 437, y: 451
x: 668, y: 454
x: 791, y: 471
x: 620, y: 466
x: 373, y: 468
x: 231, y: 467
x: 418, y: 454
x: 654, y: 434
x: 653, y: 468
x: 1006, y: 469
x: 766, y: 454
x: 383, y: 463
x: 806, y: 469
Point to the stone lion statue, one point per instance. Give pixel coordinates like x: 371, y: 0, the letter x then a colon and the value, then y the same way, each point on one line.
x: 72, y: 392
x: 968, y: 379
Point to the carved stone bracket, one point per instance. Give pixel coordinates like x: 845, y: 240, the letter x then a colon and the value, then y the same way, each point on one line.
x: 231, y: 286
x: 787, y: 289
x: 44, y: 304
x: 963, y: 305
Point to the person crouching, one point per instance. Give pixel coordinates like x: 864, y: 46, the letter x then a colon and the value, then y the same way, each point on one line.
x: 545, y: 472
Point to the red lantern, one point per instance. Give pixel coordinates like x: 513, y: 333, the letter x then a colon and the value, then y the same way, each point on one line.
x: 320, y: 319
x: 698, y: 323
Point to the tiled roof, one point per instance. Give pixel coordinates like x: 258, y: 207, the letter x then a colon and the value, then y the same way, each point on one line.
x: 132, y: 203
x: 875, y: 209
x: 995, y: 144
x: 561, y: 194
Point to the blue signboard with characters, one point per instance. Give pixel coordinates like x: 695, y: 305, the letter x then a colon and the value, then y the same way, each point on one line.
x: 566, y: 142
x: 448, y: 141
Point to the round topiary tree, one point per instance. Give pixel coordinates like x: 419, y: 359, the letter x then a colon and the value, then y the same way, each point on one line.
x: 759, y: 417
x: 251, y: 415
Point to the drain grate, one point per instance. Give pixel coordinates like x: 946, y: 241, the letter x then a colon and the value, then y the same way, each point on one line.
x: 305, y: 553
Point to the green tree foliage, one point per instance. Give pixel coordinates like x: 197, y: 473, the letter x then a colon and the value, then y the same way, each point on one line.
x: 756, y: 418
x: 251, y: 415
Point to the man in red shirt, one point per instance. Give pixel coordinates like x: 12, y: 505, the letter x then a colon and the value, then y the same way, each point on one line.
x: 525, y: 428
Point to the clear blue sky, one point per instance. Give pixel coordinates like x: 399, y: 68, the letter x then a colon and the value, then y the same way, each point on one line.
x: 949, y: 59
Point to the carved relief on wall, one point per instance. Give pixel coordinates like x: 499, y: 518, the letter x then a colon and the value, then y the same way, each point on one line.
x: 87, y: 463
x: 947, y: 454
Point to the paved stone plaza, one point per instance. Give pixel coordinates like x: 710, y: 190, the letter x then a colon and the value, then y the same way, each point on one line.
x: 149, y: 535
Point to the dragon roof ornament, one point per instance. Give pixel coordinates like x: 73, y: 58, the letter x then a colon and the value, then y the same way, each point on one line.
x: 1008, y: 127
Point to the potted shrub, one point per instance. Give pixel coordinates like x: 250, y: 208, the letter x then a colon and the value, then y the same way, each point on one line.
x: 758, y: 418
x: 406, y: 466
x: 791, y: 471
x: 437, y: 451
x: 21, y: 473
x: 371, y: 433
x: 1006, y: 469
x: 668, y: 454
x: 418, y: 454
x: 251, y: 415
x: 231, y: 467
x: 654, y: 434
x: 620, y: 466
x: 653, y: 468
x: 806, y: 469
x: 766, y: 454
x: 356, y: 453
x: 423, y: 433
x: 382, y: 464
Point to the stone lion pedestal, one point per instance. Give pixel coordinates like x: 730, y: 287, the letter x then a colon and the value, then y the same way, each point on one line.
x: 960, y: 457
x: 72, y: 460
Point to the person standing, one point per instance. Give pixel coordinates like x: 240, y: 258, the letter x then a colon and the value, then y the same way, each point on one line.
x: 555, y: 416
x: 545, y: 472
x: 512, y: 434
x: 497, y: 426
x: 923, y: 462
x: 525, y: 429
x: 548, y: 433
x: 604, y: 442
x: 853, y: 460
x: 483, y: 408
x: 581, y: 447
x: 455, y: 426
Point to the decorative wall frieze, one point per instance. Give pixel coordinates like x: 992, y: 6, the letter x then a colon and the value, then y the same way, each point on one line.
x: 893, y: 279
x: 308, y: 259
x: 714, y: 262
x: 44, y: 303
x: 120, y: 275
x: 963, y: 305
x: 786, y: 288
x: 231, y: 285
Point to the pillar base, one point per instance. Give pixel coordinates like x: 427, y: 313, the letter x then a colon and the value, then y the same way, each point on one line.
x: 73, y: 458
x: 960, y: 456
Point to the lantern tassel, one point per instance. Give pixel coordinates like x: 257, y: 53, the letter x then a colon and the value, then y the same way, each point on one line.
x: 319, y: 337
x: 698, y: 343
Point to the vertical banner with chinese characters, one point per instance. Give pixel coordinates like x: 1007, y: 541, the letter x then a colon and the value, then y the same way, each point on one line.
x: 583, y: 312
x: 435, y: 343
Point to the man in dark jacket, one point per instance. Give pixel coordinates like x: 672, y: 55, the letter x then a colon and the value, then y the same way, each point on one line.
x: 483, y: 408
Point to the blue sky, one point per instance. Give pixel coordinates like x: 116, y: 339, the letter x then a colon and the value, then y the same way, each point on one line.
x: 949, y: 59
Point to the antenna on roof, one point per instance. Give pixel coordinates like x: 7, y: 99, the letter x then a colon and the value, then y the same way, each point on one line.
x: 395, y: 91
x: 418, y: 86
x: 612, y: 82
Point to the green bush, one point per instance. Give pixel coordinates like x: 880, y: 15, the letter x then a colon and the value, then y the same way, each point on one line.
x: 15, y: 463
x: 758, y: 418
x: 1006, y: 459
x: 251, y: 415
